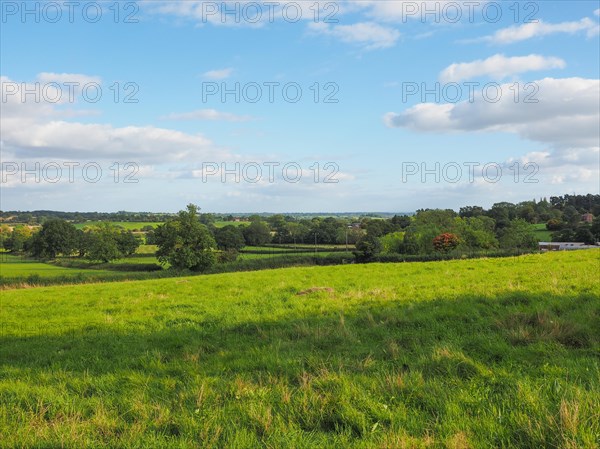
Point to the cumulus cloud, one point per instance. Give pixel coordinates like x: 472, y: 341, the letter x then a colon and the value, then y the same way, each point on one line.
x: 564, y: 120
x: 370, y: 35
x: 566, y: 111
x: 540, y: 28
x: 208, y: 114
x: 39, y: 130
x: 566, y: 114
x: 499, y: 67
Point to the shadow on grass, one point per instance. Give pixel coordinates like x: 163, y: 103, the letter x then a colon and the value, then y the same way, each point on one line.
x: 515, y: 328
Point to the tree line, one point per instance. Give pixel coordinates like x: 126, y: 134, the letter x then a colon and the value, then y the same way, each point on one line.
x: 191, y: 240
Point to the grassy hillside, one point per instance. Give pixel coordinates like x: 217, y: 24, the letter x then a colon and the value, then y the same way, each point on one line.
x: 500, y: 353
x: 541, y: 233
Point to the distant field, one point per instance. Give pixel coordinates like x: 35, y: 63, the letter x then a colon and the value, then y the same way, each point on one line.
x: 129, y: 225
x: 220, y: 224
x: 14, y: 266
x: 488, y: 353
x: 263, y: 255
x: 541, y: 233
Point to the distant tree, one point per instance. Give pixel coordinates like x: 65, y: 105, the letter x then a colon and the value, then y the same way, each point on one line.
x: 564, y: 235
x: 471, y: 211
x: 56, y: 237
x: 5, y: 233
x: 229, y: 237
x: 257, y: 233
x: 401, y: 221
x: 19, y: 239
x: 186, y: 243
x: 127, y: 243
x: 367, y: 248
x: 584, y: 234
x: 102, y: 246
x: 207, y: 219
x: 518, y: 234
x: 503, y: 213
x: 554, y: 224
x: 445, y: 242
x: 475, y: 233
x: 150, y: 238
x: 571, y: 216
x: 595, y: 228
x: 392, y: 243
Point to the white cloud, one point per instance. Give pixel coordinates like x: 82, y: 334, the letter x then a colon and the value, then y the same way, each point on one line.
x: 499, y: 67
x: 208, y: 114
x: 219, y: 74
x: 526, y: 31
x: 370, y: 35
x: 38, y: 130
x: 425, y: 11
x: 565, y: 117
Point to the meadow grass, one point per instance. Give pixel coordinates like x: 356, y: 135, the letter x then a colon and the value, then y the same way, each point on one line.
x: 541, y: 233
x: 18, y: 266
x: 486, y: 353
x: 128, y: 225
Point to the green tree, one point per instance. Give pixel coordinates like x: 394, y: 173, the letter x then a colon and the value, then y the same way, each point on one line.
x: 56, y: 237
x: 102, y: 246
x: 257, y: 233
x: 127, y: 243
x: 186, y: 243
x: 19, y: 239
x: 584, y: 234
x: 595, y: 228
x: 367, y: 248
x: 518, y: 234
x: 392, y: 243
x: 229, y: 237
x: 5, y: 233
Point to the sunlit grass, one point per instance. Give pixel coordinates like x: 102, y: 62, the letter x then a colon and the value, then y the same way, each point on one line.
x: 476, y: 353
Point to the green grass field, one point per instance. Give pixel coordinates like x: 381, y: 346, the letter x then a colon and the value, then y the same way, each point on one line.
x: 541, y: 233
x: 15, y: 266
x: 128, y: 225
x: 487, y: 353
x: 221, y: 224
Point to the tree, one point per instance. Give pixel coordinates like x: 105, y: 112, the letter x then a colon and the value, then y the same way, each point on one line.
x: 127, y: 243
x: 595, y: 229
x: 554, y: 225
x: 571, y: 216
x: 392, y: 243
x: 185, y: 243
x: 446, y: 242
x: 517, y: 234
x: 471, y: 211
x: 584, y: 234
x: 475, y: 233
x: 367, y: 248
x: 102, y: 246
x: 56, y: 237
x: 401, y: 221
x: 19, y: 239
x: 229, y: 237
x: 257, y: 233
x: 5, y: 233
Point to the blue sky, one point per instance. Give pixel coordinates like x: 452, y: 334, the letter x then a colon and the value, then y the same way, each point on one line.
x: 531, y: 123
